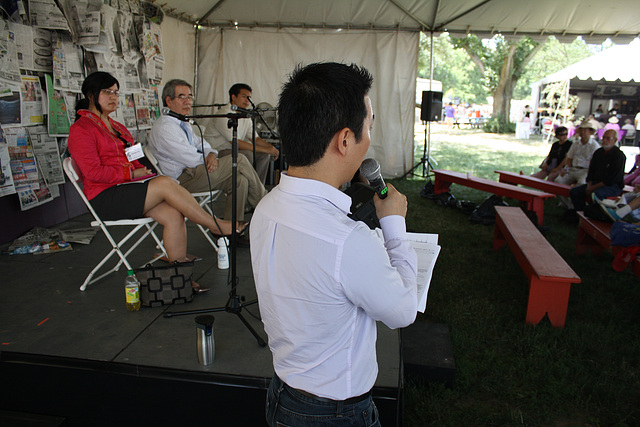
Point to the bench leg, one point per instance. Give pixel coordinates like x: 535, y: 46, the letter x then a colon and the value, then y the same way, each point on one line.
x: 440, y: 186
x: 537, y: 205
x: 498, y: 238
x: 551, y: 298
x: 585, y: 241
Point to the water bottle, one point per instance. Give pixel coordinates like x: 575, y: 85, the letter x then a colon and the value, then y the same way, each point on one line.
x: 132, y: 291
x: 205, y: 345
x: 223, y: 253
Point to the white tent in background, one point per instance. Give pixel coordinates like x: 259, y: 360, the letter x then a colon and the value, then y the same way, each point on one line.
x: 612, y: 75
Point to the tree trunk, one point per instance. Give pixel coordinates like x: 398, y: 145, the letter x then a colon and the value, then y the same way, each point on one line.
x: 504, y: 91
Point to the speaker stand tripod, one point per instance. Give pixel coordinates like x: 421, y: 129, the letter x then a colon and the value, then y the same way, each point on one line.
x: 425, y: 160
x: 235, y: 303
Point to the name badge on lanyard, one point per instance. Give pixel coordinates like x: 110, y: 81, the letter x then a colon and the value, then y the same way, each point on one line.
x: 134, y: 152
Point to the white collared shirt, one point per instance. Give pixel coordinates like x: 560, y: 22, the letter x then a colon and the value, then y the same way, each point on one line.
x: 221, y: 134
x: 581, y: 154
x: 170, y: 144
x: 323, y: 280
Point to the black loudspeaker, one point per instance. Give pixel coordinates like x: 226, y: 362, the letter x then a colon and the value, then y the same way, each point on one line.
x: 431, y: 109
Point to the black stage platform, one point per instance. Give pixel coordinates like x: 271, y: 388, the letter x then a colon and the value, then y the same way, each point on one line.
x: 81, y: 359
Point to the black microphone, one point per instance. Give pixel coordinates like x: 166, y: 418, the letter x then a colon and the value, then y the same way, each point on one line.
x: 252, y: 104
x: 370, y: 169
x: 167, y: 112
x: 247, y: 113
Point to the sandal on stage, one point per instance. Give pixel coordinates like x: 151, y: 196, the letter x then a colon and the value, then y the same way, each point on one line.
x: 197, y: 289
x: 243, y: 228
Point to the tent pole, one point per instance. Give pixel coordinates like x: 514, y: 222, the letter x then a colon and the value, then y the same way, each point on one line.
x: 427, y: 165
x: 425, y: 161
x: 195, y: 62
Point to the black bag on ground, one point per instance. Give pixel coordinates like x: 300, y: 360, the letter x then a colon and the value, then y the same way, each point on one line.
x: 427, y: 190
x: 165, y: 285
x: 485, y: 213
x: 594, y: 211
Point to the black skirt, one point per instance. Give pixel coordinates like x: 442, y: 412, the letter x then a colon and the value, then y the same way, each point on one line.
x: 124, y: 201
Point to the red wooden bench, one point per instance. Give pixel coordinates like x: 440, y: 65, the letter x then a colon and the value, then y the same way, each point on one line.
x: 540, y: 184
x: 594, y: 235
x: 533, y: 182
x: 550, y: 277
x: 534, y: 199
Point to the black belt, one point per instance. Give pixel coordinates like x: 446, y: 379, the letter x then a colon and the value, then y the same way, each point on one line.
x: 349, y: 401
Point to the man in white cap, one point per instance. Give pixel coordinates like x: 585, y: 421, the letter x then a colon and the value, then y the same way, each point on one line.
x: 573, y: 169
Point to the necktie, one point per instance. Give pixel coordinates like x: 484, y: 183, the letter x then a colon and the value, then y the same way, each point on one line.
x: 186, y: 130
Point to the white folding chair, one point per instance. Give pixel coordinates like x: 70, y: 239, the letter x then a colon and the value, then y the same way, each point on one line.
x: 204, y: 198
x: 145, y: 224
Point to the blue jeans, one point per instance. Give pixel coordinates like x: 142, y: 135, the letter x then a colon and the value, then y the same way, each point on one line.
x: 579, y: 193
x: 287, y: 407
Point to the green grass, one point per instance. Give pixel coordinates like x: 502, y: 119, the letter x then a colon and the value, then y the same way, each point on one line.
x: 509, y: 373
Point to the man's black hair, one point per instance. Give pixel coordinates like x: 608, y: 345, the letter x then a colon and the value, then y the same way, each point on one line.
x: 318, y: 101
x: 236, y: 88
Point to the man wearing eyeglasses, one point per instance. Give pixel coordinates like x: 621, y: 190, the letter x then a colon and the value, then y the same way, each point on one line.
x: 606, y: 173
x: 189, y: 158
x: 240, y: 96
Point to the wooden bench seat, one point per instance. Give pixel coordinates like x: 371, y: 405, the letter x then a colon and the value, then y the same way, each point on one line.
x: 533, y: 199
x: 550, y: 277
x: 594, y: 235
x: 540, y: 184
x: 533, y: 182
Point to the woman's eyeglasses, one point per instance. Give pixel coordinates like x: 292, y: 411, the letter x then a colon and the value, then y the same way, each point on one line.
x: 110, y: 92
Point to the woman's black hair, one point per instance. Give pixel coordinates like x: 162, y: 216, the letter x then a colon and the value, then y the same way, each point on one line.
x: 91, y: 88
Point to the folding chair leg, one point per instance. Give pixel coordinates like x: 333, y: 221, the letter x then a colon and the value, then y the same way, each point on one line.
x: 115, y: 249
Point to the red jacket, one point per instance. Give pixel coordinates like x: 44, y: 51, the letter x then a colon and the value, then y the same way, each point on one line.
x: 100, y: 154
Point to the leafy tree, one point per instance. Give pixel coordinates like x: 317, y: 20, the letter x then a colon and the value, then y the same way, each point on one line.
x: 552, y: 57
x: 502, y: 62
x: 460, y: 78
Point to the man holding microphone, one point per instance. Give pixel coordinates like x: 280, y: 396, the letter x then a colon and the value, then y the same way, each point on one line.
x: 323, y: 280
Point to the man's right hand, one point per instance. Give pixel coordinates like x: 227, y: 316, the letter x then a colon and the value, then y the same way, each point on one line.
x: 394, y: 204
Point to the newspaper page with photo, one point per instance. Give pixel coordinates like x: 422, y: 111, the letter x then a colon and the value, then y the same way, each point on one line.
x: 34, y: 47
x: 9, y: 66
x: 6, y: 178
x: 31, y: 108
x: 45, y: 149
x: 10, y: 105
x: 68, y: 73
x: 46, y: 14
x: 58, y: 122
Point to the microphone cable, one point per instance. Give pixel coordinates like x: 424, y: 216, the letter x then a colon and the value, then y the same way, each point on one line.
x: 215, y: 219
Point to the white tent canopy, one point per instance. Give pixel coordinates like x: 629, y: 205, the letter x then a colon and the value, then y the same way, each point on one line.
x: 618, y: 63
x: 592, y: 19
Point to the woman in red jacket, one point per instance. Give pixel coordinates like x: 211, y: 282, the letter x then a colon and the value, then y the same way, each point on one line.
x: 115, y: 186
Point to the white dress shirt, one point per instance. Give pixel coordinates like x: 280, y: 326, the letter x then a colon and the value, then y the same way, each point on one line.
x: 170, y: 144
x: 221, y: 134
x: 323, y: 280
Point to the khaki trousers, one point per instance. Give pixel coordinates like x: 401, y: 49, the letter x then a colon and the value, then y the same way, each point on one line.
x: 249, y: 192
x: 263, y: 160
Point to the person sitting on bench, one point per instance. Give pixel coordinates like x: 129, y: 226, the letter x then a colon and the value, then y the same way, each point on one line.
x: 605, y: 177
x: 556, y: 155
x: 627, y: 204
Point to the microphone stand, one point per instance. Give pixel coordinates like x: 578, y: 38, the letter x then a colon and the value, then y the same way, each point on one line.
x: 235, y: 303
